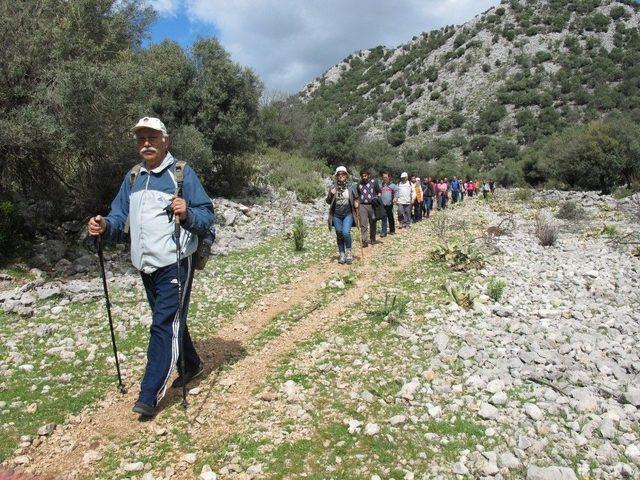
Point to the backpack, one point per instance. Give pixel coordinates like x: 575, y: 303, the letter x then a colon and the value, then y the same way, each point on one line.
x: 205, y: 241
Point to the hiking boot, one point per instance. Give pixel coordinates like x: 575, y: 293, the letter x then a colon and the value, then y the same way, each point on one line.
x: 375, y: 242
x: 341, y: 258
x: 348, y: 257
x: 190, y: 375
x: 144, y: 410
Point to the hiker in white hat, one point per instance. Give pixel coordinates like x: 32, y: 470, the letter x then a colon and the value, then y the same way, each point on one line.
x: 159, y: 196
x: 406, y: 197
x: 343, y: 204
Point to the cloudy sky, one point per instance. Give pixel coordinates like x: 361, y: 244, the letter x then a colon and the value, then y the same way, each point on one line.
x: 290, y: 42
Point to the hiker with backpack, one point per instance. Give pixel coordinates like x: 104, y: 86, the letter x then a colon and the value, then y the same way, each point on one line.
x: 485, y: 190
x: 159, y: 197
x: 471, y: 187
x: 418, y: 198
x: 343, y: 208
x: 405, y: 200
x: 389, y: 198
x: 443, y: 195
x: 428, y: 192
x: 368, y: 191
x: 455, y: 190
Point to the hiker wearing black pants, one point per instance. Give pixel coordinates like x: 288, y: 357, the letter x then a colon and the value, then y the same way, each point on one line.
x: 149, y: 202
x: 427, y: 188
x: 368, y: 190
x: 389, y: 197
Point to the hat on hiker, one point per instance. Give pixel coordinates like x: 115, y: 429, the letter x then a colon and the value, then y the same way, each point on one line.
x: 150, y: 122
x: 341, y: 170
x: 404, y: 175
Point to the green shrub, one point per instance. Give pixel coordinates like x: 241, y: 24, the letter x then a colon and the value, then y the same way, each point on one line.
x: 617, y: 12
x: 397, y: 135
x: 299, y: 232
x: 570, y: 210
x: 10, y: 228
x: 464, y: 296
x: 457, y: 255
x: 523, y: 194
x: 291, y: 171
x: 495, y: 288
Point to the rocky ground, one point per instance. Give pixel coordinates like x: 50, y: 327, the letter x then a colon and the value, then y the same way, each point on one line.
x: 240, y: 224
x: 503, y: 360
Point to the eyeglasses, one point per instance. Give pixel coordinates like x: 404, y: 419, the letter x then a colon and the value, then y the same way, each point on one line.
x: 150, y: 139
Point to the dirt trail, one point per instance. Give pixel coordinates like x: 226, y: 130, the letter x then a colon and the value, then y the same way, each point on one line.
x: 111, y: 423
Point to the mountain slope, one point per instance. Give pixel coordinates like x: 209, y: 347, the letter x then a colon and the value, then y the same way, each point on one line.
x: 519, y: 71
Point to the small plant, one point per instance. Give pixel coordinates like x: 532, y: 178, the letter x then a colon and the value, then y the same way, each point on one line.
x: 495, y: 288
x: 523, y: 194
x: 570, y: 210
x: 458, y: 256
x: 610, y: 230
x: 392, y: 311
x: 299, y: 232
x: 635, y: 252
x: 605, y: 230
x: 545, y: 230
x: 463, y: 296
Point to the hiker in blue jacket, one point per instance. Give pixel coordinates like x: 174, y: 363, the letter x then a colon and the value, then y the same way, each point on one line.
x: 455, y: 189
x: 147, y: 203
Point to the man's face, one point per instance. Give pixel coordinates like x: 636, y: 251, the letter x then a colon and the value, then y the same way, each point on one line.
x: 413, y: 178
x: 364, y: 176
x: 152, y: 146
x: 385, y: 177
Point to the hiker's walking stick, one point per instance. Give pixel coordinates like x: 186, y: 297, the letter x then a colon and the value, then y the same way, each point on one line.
x: 181, y: 370
x: 98, y: 243
x: 360, y: 232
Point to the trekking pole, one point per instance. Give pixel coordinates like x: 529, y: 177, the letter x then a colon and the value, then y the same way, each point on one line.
x: 98, y: 243
x: 181, y: 370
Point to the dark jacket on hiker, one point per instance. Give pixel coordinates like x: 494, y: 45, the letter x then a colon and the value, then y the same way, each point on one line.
x: 353, y: 202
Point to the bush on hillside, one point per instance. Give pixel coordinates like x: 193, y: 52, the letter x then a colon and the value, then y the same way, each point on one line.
x: 10, y: 229
x: 571, y: 210
x: 292, y: 172
x: 334, y: 142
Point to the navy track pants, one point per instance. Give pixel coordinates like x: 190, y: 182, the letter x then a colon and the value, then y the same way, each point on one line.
x: 162, y: 353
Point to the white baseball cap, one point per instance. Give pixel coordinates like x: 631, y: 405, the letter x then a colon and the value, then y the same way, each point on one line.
x: 404, y: 174
x: 150, y: 122
x: 340, y: 169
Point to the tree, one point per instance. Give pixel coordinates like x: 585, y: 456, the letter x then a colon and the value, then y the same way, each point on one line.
x: 593, y: 156
x: 333, y: 142
x: 75, y: 77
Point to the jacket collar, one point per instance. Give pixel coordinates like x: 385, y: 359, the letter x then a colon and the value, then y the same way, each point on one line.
x: 168, y: 161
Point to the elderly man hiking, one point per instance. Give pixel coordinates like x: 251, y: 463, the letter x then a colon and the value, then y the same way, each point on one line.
x: 406, y: 197
x: 149, y: 202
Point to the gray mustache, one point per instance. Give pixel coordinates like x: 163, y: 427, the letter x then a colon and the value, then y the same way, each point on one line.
x: 147, y: 149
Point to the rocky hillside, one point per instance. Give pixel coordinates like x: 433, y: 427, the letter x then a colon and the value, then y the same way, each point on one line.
x: 520, y: 70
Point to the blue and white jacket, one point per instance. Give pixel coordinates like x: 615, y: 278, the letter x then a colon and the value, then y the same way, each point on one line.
x: 152, y: 243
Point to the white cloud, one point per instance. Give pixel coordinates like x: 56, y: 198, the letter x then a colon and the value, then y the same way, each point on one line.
x: 290, y: 42
x: 165, y: 7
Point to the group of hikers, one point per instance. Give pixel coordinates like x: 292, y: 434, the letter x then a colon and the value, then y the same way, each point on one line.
x: 366, y: 202
x: 169, y: 217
